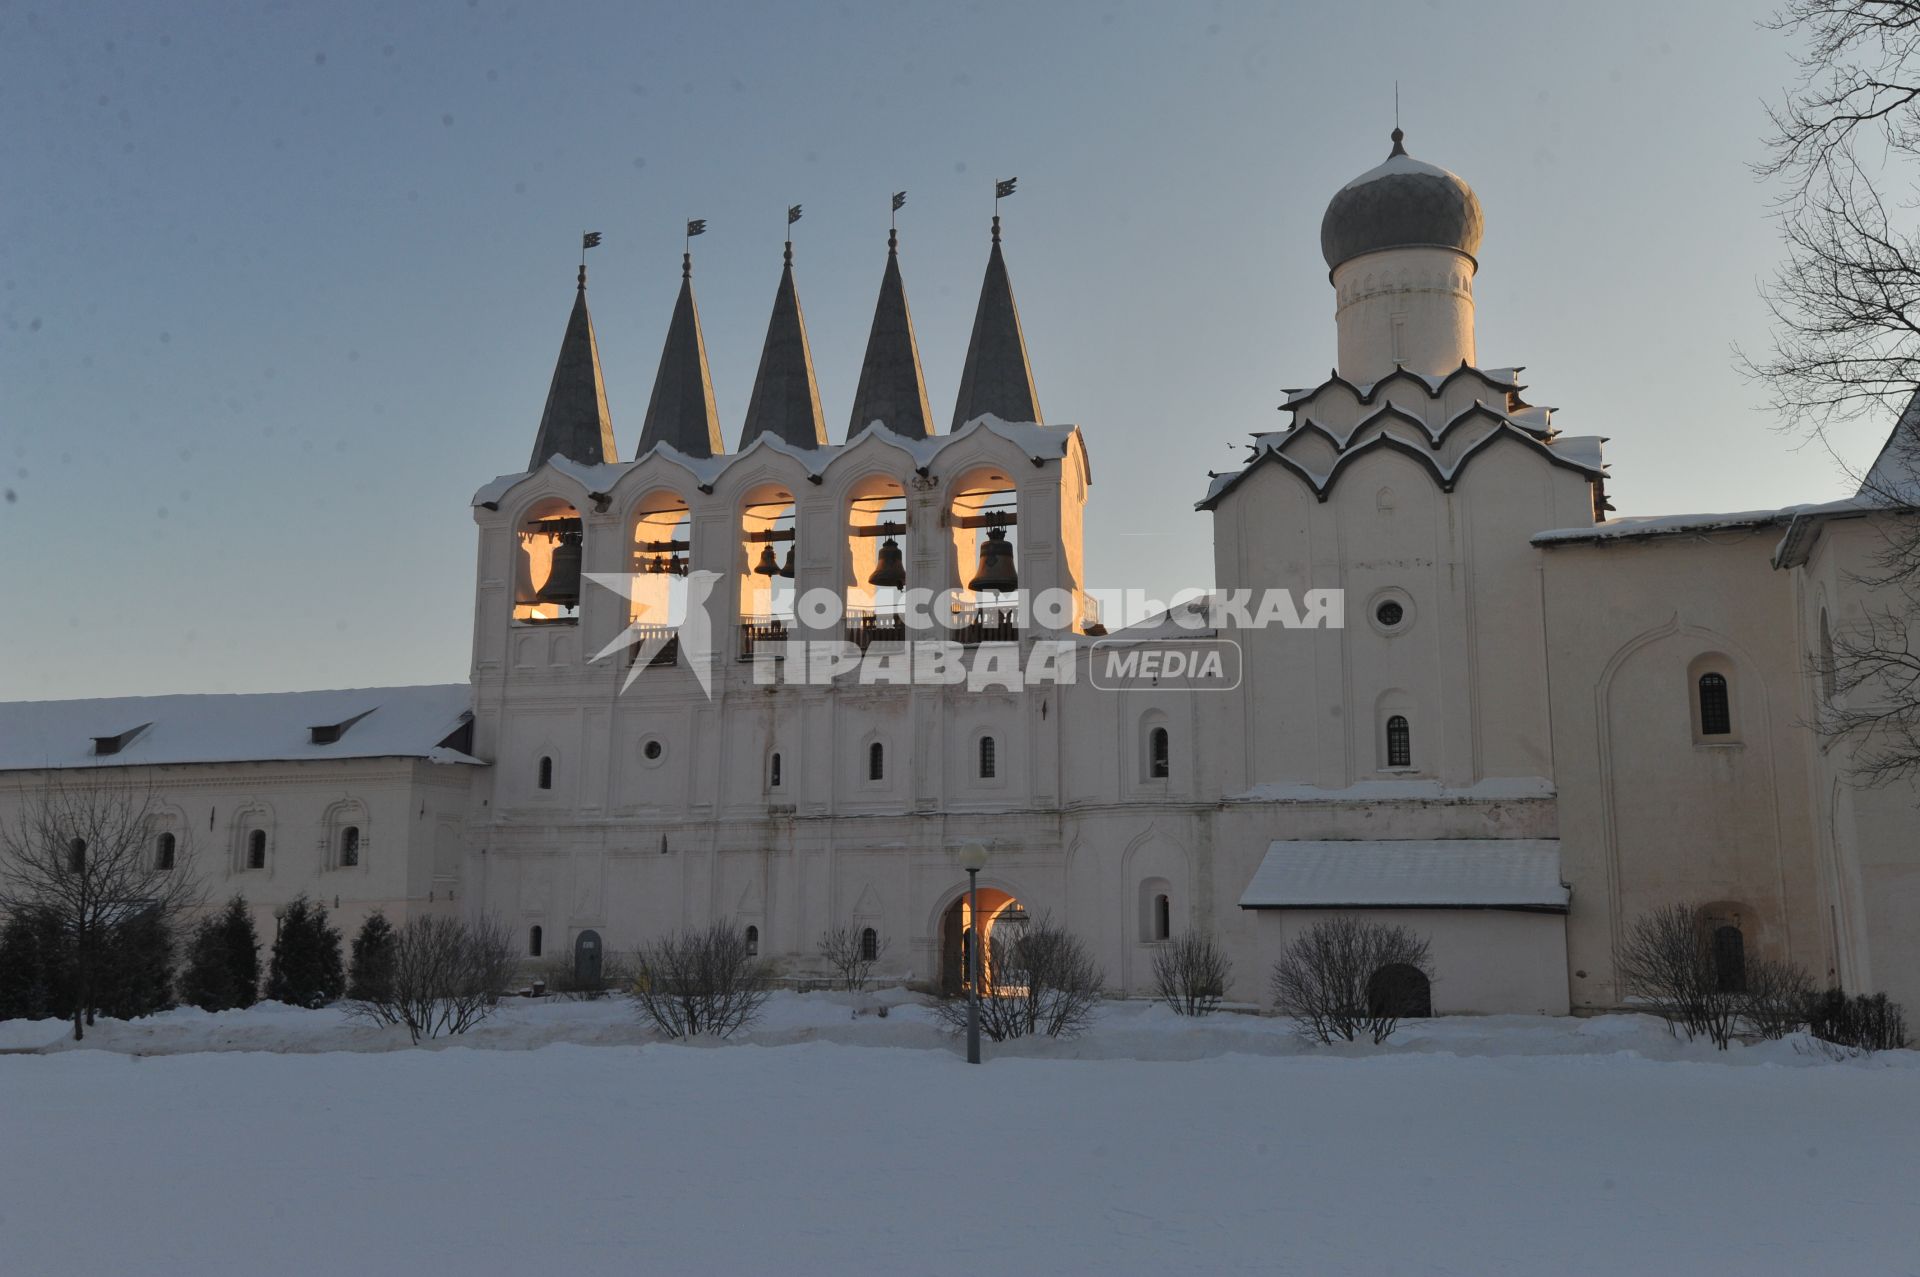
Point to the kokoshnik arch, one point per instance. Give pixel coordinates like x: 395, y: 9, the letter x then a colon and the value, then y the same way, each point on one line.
x: 1536, y: 722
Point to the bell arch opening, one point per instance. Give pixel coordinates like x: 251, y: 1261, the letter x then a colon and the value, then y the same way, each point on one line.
x: 983, y: 516
x: 546, y: 585
x: 662, y: 555
x: 767, y: 566
x: 876, y: 583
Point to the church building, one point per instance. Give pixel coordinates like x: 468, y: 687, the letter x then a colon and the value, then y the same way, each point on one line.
x: 1524, y: 722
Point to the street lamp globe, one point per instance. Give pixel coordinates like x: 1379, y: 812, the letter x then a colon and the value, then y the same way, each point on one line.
x: 973, y: 857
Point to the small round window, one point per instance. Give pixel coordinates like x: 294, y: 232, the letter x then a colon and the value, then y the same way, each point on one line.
x: 652, y: 750
x: 1390, y: 614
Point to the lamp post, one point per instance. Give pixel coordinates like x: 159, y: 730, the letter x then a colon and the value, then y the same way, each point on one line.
x: 973, y: 858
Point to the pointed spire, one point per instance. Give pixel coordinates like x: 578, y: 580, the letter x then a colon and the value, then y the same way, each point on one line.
x: 892, y: 388
x: 997, y: 378
x: 576, y: 424
x: 786, y: 398
x: 681, y: 411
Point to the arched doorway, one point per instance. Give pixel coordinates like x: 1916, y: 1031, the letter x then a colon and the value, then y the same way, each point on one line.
x: 586, y: 959
x: 1401, y: 991
x: 997, y: 908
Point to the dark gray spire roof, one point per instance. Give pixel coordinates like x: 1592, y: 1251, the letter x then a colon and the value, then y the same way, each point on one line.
x: 892, y: 388
x: 786, y: 398
x: 1402, y: 203
x: 681, y: 411
x: 997, y: 378
x: 576, y: 424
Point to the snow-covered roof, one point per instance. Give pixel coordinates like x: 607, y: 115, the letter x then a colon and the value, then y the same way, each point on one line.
x: 370, y: 722
x: 1688, y: 524
x: 1460, y: 873
x: 1041, y: 443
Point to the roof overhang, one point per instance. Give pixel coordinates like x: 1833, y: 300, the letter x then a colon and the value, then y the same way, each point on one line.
x: 1455, y: 873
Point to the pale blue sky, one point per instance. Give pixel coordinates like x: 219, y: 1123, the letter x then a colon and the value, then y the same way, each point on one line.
x: 281, y: 286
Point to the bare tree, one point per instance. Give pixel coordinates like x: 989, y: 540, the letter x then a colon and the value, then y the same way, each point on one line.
x: 1042, y: 980
x: 1190, y: 973
x: 447, y: 975
x: 83, y: 854
x: 1344, y: 977
x: 1845, y: 144
x: 695, y: 982
x: 846, y: 951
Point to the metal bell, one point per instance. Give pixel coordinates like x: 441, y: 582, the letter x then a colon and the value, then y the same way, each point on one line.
x: 786, y: 568
x: 997, y: 574
x: 891, y: 570
x: 562, y: 586
x: 768, y: 565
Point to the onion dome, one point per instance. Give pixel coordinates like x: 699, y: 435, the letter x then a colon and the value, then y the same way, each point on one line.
x: 1403, y: 203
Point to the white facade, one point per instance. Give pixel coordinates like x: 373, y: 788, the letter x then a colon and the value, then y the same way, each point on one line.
x: 1512, y: 675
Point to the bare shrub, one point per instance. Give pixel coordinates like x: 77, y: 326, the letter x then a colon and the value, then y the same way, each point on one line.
x: 1666, y: 960
x: 1334, y: 979
x: 1864, y: 1023
x: 1190, y: 973
x: 1778, y: 998
x: 1043, y: 981
x: 706, y: 981
x: 447, y: 976
x: 845, y: 950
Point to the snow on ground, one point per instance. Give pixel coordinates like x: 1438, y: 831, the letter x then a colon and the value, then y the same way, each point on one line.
x: 277, y: 1140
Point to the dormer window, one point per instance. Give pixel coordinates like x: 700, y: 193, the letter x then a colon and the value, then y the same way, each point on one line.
x: 328, y: 733
x: 106, y: 745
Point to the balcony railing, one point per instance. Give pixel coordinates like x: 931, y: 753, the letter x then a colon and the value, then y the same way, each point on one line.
x: 866, y: 628
x: 990, y: 623
x: 760, y: 629
x: 661, y: 641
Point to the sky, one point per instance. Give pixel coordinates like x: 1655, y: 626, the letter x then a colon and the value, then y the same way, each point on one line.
x: 282, y: 285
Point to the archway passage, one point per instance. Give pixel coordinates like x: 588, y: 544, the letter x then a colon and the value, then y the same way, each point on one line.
x: 997, y: 909
x: 1401, y: 991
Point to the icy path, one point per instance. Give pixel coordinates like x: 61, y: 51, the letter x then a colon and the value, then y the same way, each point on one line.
x: 820, y: 1157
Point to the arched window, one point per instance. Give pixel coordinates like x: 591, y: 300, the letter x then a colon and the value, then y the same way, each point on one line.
x: 546, y: 772
x: 1716, y: 716
x: 869, y: 945
x: 1399, y: 742
x: 753, y: 942
x: 1729, y: 959
x: 876, y: 761
x: 164, y: 852
x: 257, y: 849
x: 77, y: 855
x: 773, y: 772
x: 1162, y: 917
x: 987, y: 759
x: 533, y: 942
x: 1159, y: 754
x: 349, y: 846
